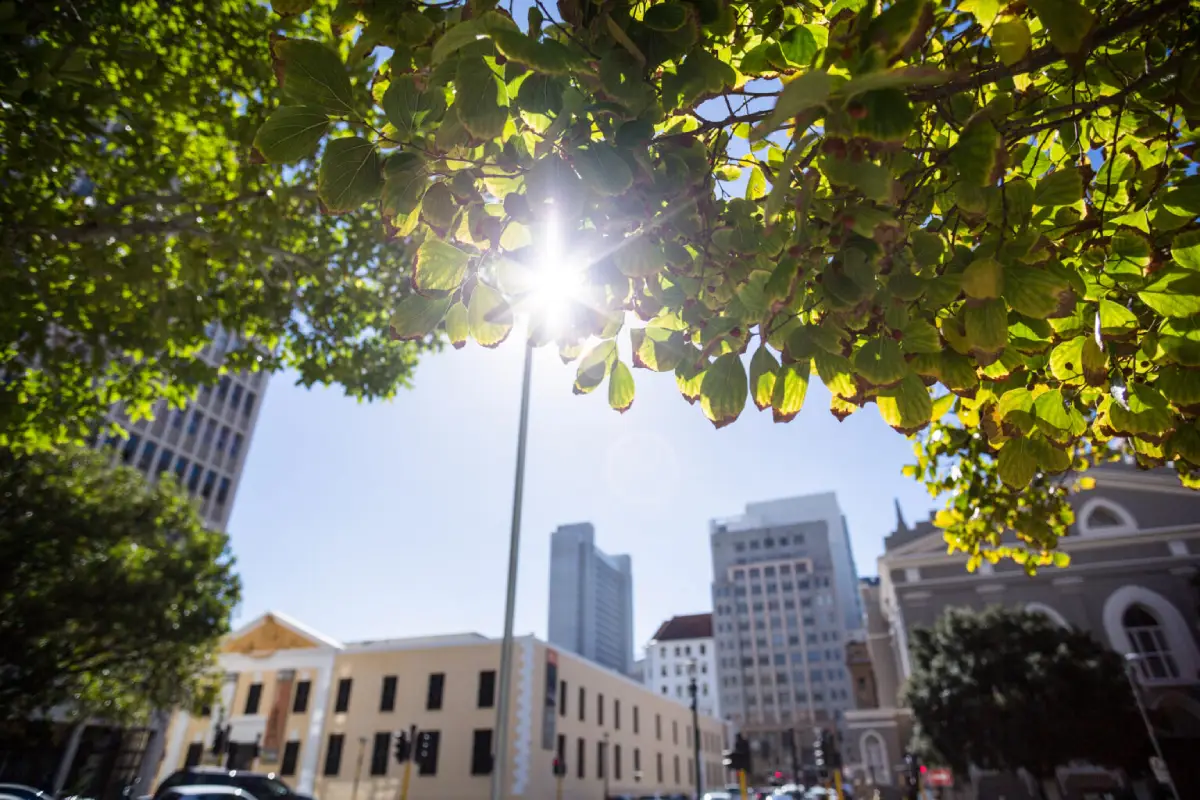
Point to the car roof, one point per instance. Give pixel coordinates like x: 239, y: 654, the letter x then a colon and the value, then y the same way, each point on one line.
x: 207, y: 788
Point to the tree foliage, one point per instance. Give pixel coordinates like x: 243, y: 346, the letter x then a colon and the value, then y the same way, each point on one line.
x: 978, y: 217
x: 112, y: 594
x: 134, y: 215
x: 1008, y: 689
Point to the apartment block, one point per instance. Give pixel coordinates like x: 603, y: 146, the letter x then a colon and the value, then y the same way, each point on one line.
x: 324, y: 715
x: 591, y: 599
x: 681, y: 650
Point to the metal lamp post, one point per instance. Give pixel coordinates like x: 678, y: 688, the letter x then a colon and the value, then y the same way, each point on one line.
x: 692, y: 669
x: 510, y: 601
x: 1130, y: 660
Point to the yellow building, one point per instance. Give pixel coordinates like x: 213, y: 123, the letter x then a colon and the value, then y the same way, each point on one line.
x: 324, y: 715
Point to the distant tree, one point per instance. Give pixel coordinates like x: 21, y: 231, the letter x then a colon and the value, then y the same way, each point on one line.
x: 134, y: 215
x: 1007, y: 689
x: 112, y: 594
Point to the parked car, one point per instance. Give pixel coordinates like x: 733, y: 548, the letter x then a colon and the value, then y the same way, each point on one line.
x: 19, y: 791
x: 209, y: 791
x: 259, y: 785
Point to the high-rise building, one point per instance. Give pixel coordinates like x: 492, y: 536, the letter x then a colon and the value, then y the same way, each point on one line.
x: 682, y: 650
x: 591, y: 599
x: 205, y: 444
x: 785, y: 602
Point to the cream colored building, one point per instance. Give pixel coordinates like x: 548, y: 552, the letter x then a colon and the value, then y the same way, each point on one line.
x: 325, y: 713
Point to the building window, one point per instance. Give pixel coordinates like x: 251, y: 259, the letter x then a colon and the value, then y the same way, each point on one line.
x: 164, y: 461
x: 427, y: 756
x: 333, y: 754
x: 702, y: 651
x: 131, y: 446
x: 600, y: 760
x: 300, y: 703
x: 600, y: 709
x: 580, y: 752
x: 343, y: 696
x: 235, y: 399
x: 675, y: 733
x: 210, y: 480
x: 1147, y: 639
x: 223, y: 491
x: 236, y: 447
x: 195, y: 753
x: 291, y: 755
x: 248, y: 408
x: 658, y: 766
x: 222, y: 438
x: 180, y: 469
x: 147, y: 457
x: 487, y: 689
x: 253, y: 698
x: 379, y: 752
x: 387, y: 694
x: 616, y: 715
x: 658, y: 726
x: 562, y: 698
x: 209, y: 432
x: 617, y: 762
x: 635, y: 719
x: 560, y: 747
x: 481, y: 752
x: 637, y: 759
x: 433, y: 698
x: 582, y: 704
x: 676, y: 759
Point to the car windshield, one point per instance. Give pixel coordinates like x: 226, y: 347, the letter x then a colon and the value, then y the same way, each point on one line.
x: 262, y: 786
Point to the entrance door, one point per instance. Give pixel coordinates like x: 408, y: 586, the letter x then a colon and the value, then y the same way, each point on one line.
x: 241, y: 756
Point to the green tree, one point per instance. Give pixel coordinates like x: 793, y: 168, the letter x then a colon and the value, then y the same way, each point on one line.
x: 112, y: 594
x: 978, y: 217
x: 133, y: 215
x: 1008, y: 689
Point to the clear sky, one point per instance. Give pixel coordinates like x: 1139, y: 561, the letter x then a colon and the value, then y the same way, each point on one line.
x: 392, y: 519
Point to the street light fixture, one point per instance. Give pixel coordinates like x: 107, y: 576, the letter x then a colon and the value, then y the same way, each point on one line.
x: 555, y: 281
x: 692, y: 670
x: 1130, y: 660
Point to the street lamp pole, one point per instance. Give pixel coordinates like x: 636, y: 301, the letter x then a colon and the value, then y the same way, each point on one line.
x: 499, y: 760
x: 1130, y: 659
x: 695, y: 727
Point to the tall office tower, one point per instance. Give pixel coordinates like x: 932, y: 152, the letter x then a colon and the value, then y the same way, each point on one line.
x: 205, y: 444
x: 785, y: 602
x: 591, y: 599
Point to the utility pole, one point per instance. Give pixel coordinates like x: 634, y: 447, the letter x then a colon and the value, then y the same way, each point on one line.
x: 695, y: 728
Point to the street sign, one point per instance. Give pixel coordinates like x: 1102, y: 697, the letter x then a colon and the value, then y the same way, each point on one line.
x: 939, y: 776
x: 1159, y: 768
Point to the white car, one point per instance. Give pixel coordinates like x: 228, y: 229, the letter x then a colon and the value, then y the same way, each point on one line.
x: 718, y: 796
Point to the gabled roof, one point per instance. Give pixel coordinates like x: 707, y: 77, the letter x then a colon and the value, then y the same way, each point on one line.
x: 276, y: 631
x: 689, y: 626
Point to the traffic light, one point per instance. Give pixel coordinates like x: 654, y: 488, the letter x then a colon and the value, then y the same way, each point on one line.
x: 560, y: 767
x: 402, y: 748
x: 426, y: 749
x: 738, y: 759
x: 819, y: 754
x: 913, y: 768
x: 220, y: 741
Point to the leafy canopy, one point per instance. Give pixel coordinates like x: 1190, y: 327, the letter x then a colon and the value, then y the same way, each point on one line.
x: 1007, y: 689
x: 112, y: 594
x: 979, y: 218
x: 134, y: 215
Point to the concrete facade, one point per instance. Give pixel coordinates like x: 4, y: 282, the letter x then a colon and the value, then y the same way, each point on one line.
x: 338, y: 730
x: 1135, y: 553
x: 673, y: 654
x: 785, y: 602
x: 591, y: 599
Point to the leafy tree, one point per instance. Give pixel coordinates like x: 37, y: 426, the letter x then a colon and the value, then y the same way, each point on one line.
x: 133, y: 216
x: 978, y: 217
x: 1008, y: 689
x: 112, y: 594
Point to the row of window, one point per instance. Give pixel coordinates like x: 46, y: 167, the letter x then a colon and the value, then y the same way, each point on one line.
x: 679, y: 669
x: 226, y: 436
x: 212, y: 482
x: 818, y: 696
x: 769, y: 542
x: 435, y: 691
x: 602, y: 749
x: 779, y: 659
x: 679, y: 689
x: 789, y: 603
x: 686, y: 650
x: 814, y: 675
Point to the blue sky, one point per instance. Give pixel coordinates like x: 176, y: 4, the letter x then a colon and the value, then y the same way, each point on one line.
x: 391, y: 519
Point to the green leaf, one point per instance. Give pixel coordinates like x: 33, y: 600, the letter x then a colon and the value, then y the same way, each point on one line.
x: 668, y: 16
x: 1017, y: 463
x: 457, y: 325
x: 798, y: 46
x: 440, y: 268
x: 438, y: 206
x: 409, y: 109
x: 594, y: 366
x: 1068, y: 21
x: 689, y: 377
x: 756, y: 185
x: 620, y: 387
x: 899, y: 78
x: 287, y: 8
x: 974, y: 156
x: 723, y: 390
x: 1011, y: 40
x: 763, y: 369
x: 1173, y: 293
x: 416, y: 316
x: 1185, y: 249
x: 885, y: 115
x: 919, y: 336
x: 350, y: 174
x: 800, y: 94
x: 1052, y: 416
x: 927, y: 247
x: 791, y: 384
x: 1032, y: 291
x: 478, y: 98
x: 907, y: 406
x: 602, y: 168
x: 1130, y: 246
x: 1078, y: 361
x: 1145, y: 414
x: 489, y: 316
x: 986, y: 325
x: 546, y: 55
x: 1063, y: 187
x: 657, y: 349
x: 1180, y: 385
x: 984, y: 10
x: 983, y: 279
x: 291, y: 133
x: 871, y: 179
x: 1116, y: 320
x: 880, y: 361
x: 314, y: 76
x: 638, y: 257
x: 404, y: 184
x: 541, y: 94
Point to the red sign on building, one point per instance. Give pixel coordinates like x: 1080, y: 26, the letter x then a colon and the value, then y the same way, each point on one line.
x: 940, y: 776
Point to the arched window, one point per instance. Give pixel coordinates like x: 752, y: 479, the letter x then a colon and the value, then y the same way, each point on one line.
x: 1102, y: 517
x: 1099, y: 516
x: 875, y: 759
x: 1048, y: 612
x: 1149, y: 642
